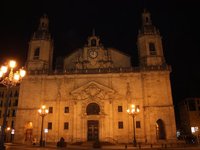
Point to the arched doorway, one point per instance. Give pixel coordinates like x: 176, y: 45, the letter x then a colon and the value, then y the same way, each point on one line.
x: 28, y: 131
x: 93, y: 125
x: 160, y: 130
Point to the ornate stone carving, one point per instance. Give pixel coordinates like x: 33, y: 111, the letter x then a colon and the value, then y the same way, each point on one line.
x: 93, y: 91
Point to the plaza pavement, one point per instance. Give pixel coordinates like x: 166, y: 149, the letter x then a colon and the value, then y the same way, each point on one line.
x: 10, y: 146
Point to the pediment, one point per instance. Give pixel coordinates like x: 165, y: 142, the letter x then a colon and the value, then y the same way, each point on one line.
x: 93, y: 90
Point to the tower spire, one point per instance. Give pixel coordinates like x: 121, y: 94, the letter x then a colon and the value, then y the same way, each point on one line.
x: 44, y: 23
x: 149, y: 43
x: 40, y: 54
x: 147, y: 26
x: 93, y: 32
x: 43, y: 29
x: 146, y: 18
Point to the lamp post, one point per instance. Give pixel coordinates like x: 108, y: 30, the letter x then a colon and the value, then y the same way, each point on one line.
x: 133, y: 111
x: 12, y: 134
x: 42, y: 112
x: 9, y: 78
x: 45, y: 133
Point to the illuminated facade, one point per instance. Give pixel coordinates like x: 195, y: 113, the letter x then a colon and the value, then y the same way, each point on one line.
x: 88, y: 97
x: 12, y: 110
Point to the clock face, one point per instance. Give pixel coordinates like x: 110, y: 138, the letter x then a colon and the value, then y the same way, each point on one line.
x: 93, y: 53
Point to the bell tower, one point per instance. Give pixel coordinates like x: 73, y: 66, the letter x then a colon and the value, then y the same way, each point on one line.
x: 40, y: 53
x: 149, y: 43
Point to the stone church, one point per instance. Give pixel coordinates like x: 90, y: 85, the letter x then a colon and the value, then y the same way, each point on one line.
x: 89, y: 98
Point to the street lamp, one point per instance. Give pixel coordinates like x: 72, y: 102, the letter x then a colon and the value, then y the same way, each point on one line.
x: 9, y: 78
x: 133, y: 111
x: 42, y: 112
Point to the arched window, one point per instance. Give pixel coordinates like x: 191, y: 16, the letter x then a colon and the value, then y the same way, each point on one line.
x: 147, y: 19
x: 43, y: 24
x: 93, y: 109
x: 93, y: 42
x: 36, y: 53
x: 152, y: 48
x: 160, y: 130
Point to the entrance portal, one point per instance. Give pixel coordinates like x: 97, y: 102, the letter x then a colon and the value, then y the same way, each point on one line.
x: 28, y: 131
x: 160, y: 130
x: 93, y: 130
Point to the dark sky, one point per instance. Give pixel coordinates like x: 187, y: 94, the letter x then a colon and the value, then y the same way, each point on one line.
x: 117, y: 23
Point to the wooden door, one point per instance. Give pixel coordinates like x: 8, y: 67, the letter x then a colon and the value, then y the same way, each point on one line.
x: 93, y: 130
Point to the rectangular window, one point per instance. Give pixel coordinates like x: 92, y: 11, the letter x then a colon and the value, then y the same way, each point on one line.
x: 36, y: 53
x: 16, y: 94
x: 50, y: 125
x: 138, y: 124
x: 15, y: 103
x: 194, y: 129
x: 50, y: 110
x: 8, y: 113
x: 9, y: 103
x: 66, y: 125
x: 12, y: 124
x: 192, y: 106
x: 152, y: 49
x: 13, y: 113
x: 120, y: 109
x: 137, y: 106
x: 66, y: 110
x: 120, y: 125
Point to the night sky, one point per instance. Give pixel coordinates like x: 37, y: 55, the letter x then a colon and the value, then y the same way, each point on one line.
x: 116, y: 22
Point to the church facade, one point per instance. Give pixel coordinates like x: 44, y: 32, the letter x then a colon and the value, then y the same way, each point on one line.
x: 88, y: 100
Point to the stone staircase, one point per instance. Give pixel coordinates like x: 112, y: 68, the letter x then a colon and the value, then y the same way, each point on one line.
x: 87, y: 144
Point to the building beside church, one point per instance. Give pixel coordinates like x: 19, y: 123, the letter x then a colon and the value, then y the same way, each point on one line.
x: 88, y: 99
x: 12, y: 110
x: 189, y: 111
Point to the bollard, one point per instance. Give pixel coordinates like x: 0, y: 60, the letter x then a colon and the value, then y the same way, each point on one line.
x: 125, y: 146
x: 139, y: 145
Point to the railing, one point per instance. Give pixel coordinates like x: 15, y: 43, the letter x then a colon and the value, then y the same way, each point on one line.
x: 101, y: 70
